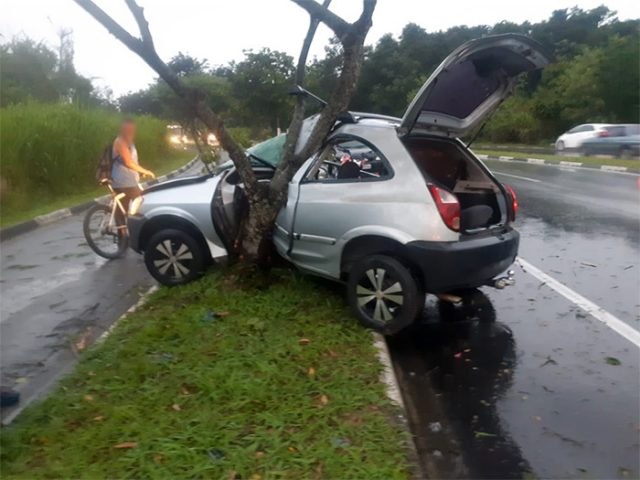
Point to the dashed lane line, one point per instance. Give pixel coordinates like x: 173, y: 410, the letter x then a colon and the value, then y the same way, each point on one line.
x: 518, y: 177
x: 599, y: 313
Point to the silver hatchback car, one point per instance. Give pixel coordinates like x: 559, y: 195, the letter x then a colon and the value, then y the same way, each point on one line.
x: 395, y: 208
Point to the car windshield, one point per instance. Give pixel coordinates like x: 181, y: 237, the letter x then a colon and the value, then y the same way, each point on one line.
x: 269, y: 151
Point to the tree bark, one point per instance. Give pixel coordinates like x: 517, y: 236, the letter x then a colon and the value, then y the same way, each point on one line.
x: 264, y: 201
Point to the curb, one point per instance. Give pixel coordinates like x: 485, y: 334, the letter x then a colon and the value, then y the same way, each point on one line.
x: 561, y: 163
x: 57, y: 215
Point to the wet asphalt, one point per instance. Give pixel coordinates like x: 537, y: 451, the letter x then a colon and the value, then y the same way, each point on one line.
x: 57, y: 298
x: 521, y: 383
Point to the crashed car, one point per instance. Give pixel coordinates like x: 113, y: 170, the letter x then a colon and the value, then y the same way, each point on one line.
x: 393, y: 207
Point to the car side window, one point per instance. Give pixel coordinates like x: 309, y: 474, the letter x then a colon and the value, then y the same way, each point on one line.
x: 348, y: 160
x: 581, y: 128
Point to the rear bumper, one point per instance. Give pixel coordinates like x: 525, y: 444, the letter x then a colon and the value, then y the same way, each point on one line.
x: 135, y: 223
x: 468, y: 263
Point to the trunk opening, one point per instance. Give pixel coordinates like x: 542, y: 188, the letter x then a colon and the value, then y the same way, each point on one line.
x: 446, y: 163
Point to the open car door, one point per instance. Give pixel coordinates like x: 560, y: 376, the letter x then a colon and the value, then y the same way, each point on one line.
x: 470, y: 84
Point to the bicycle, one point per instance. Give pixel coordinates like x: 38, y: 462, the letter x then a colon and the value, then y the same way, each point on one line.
x: 104, y: 236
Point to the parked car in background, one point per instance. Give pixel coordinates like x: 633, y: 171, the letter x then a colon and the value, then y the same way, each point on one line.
x: 393, y: 207
x: 573, y: 139
x: 621, y: 141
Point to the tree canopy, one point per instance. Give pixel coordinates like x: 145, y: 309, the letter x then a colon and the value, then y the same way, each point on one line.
x: 595, y: 77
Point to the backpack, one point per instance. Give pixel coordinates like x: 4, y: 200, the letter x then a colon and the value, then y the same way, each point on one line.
x: 105, y: 164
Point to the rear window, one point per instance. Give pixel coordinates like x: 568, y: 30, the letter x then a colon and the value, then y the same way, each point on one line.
x: 617, y: 131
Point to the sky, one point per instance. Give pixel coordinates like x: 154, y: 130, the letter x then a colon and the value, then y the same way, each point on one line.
x: 219, y: 30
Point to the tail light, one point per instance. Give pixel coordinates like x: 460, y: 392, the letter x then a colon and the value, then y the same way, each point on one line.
x: 514, y: 202
x: 448, y: 206
x: 603, y: 133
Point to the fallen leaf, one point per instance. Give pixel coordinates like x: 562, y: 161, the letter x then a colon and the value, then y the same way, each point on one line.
x: 99, y: 418
x: 124, y: 445
x: 304, y: 341
x: 311, y: 372
x: 88, y: 398
x: 292, y: 449
x: 92, y: 374
x: 612, y: 361
x: 222, y: 314
x: 158, y: 458
x: 176, y: 407
x: 259, y: 454
x: 255, y: 476
x: 478, y: 434
x: 324, y: 400
x: 332, y: 353
x: 537, y: 418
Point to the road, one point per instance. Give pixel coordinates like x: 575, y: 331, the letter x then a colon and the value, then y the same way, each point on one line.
x: 57, y: 295
x: 522, y: 383
x: 518, y: 383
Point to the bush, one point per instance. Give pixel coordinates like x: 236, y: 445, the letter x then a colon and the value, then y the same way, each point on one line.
x: 51, y: 150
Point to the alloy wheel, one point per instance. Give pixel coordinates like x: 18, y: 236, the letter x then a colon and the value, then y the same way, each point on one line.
x: 173, y: 259
x: 380, y: 295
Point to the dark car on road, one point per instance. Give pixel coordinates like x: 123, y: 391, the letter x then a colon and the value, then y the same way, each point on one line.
x: 617, y: 140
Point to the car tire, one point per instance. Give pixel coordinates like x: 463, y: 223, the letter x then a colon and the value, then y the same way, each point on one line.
x: 625, y: 153
x: 174, y: 257
x: 559, y: 146
x: 383, y: 294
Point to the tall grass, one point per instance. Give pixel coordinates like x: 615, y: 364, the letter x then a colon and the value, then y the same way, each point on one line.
x: 48, y: 151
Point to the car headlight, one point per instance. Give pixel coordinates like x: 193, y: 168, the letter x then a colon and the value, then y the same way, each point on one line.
x: 134, y: 206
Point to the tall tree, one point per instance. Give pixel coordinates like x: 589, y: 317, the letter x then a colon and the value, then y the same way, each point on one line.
x: 264, y: 201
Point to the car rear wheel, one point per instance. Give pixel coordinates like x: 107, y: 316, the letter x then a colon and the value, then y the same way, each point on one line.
x: 174, y: 257
x: 383, y: 294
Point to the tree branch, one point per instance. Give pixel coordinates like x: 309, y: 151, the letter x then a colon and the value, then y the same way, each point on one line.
x: 339, y: 26
x: 283, y: 172
x: 138, y: 13
x: 194, y: 99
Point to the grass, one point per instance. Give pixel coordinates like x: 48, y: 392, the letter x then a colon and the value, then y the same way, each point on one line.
x: 620, y: 162
x: 42, y: 202
x: 50, y: 151
x: 282, y: 384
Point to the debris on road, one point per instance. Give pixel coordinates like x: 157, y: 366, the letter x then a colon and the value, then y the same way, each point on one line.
x: 613, y: 361
x: 435, y: 427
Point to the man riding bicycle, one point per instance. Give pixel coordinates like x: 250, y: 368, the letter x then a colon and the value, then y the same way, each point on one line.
x: 126, y: 171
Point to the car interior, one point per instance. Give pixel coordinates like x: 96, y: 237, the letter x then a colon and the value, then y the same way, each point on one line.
x: 448, y: 165
x: 350, y: 160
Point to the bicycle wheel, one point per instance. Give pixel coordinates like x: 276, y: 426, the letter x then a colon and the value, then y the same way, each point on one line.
x: 101, y: 237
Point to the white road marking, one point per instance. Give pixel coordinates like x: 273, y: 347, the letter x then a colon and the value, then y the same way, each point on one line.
x: 599, y: 313
x: 536, y: 161
x: 518, y: 177
x: 583, y: 168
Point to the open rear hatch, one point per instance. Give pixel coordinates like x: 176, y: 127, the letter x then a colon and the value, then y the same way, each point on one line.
x: 456, y: 100
x: 470, y: 84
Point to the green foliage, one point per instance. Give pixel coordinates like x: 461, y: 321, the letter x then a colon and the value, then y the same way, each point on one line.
x: 32, y: 71
x: 284, y: 384
x: 242, y: 135
x: 51, y: 150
